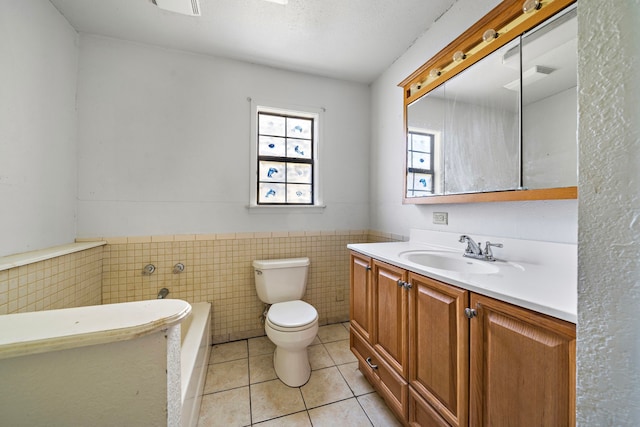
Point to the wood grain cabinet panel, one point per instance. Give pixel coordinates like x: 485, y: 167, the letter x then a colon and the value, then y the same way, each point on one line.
x: 522, y: 367
x: 439, y: 347
x: 360, y: 295
x: 389, y: 336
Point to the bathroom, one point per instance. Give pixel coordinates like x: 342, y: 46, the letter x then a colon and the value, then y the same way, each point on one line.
x: 105, y: 139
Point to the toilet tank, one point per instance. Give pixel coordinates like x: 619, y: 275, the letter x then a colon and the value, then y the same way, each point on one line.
x: 279, y: 280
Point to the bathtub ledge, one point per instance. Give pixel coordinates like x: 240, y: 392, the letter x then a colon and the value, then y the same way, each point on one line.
x: 23, y: 334
x: 18, y: 260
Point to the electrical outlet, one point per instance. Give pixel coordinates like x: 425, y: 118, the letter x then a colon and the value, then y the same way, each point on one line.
x: 441, y: 218
x: 340, y: 295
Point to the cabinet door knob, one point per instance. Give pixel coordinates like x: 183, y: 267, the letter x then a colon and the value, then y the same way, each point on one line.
x: 470, y: 313
x: 407, y: 285
x: 401, y: 283
x: 368, y: 268
x: 371, y: 365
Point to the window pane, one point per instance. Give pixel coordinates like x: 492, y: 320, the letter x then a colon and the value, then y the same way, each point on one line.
x: 271, y: 125
x: 299, y: 193
x: 271, y: 171
x: 299, y: 128
x: 299, y: 172
x: 419, y: 182
x: 421, y: 142
x: 271, y: 193
x: 271, y: 146
x: 299, y: 148
x: 419, y: 160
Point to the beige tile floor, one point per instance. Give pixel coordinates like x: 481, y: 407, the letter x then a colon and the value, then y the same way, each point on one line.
x: 242, y: 388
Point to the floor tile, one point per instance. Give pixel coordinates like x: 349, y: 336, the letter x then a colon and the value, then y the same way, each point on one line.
x: 261, y: 345
x: 331, y: 333
x: 319, y: 357
x: 347, y: 325
x: 357, y: 382
x: 378, y: 411
x: 344, y: 413
x: 228, y: 351
x: 316, y: 341
x: 261, y: 368
x: 325, y: 386
x: 301, y: 419
x: 340, y: 352
x: 227, y: 375
x: 274, y: 399
x: 227, y: 408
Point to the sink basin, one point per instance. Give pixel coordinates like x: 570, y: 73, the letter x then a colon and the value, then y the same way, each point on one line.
x: 449, y: 261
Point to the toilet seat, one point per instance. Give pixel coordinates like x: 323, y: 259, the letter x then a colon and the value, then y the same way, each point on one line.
x: 291, y: 316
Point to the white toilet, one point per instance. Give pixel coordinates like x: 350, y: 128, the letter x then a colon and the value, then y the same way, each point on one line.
x: 291, y: 324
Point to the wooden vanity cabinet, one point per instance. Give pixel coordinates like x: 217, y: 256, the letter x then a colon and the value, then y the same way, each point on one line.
x: 443, y: 356
x: 522, y: 367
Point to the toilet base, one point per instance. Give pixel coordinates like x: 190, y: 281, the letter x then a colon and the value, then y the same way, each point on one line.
x: 292, y: 366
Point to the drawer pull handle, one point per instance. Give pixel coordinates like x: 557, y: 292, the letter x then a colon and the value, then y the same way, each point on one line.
x: 371, y: 365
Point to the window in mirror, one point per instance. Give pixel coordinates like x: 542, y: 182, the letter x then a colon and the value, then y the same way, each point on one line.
x: 425, y: 118
x: 420, y: 162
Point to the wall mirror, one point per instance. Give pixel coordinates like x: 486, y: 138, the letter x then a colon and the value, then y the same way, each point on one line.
x: 496, y: 120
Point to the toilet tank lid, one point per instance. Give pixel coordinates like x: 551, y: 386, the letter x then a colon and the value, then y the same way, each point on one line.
x: 280, y: 263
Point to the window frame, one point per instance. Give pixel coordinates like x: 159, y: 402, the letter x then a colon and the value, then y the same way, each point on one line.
x: 434, y: 170
x: 294, y: 111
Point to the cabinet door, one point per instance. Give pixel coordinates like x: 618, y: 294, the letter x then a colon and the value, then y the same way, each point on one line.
x: 389, y: 315
x: 522, y: 367
x: 439, y: 347
x: 360, y: 296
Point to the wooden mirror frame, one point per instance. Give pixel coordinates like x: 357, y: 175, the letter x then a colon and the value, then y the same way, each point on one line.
x: 508, y: 21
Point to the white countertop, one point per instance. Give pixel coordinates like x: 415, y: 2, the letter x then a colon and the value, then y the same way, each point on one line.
x: 41, y: 331
x: 540, y: 276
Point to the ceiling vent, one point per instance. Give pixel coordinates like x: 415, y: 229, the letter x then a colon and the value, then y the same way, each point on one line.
x: 185, y: 7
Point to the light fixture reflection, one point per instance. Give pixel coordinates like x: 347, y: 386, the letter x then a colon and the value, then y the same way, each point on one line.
x: 489, y: 35
x: 459, y: 56
x: 531, y: 6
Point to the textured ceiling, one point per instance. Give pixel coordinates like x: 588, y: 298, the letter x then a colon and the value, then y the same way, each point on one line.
x: 347, y: 39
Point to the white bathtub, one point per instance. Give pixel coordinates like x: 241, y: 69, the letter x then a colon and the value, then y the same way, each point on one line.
x: 194, y: 358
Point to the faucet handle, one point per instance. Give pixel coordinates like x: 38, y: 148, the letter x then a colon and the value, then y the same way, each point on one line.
x: 488, y: 254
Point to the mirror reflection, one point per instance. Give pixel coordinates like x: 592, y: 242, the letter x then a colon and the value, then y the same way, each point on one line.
x: 549, y: 98
x: 484, y: 130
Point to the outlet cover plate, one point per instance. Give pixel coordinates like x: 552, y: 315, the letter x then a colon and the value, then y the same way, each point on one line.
x: 441, y: 218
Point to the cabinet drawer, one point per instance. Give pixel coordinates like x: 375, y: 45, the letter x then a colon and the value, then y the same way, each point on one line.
x: 363, y: 351
x: 421, y: 413
x: 391, y: 386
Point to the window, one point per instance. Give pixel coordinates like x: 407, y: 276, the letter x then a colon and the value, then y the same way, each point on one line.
x: 420, y: 163
x: 285, y: 147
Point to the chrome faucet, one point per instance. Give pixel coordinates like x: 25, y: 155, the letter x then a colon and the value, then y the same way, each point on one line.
x: 474, y: 250
x: 163, y: 293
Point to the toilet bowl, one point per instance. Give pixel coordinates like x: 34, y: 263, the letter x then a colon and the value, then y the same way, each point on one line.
x: 292, y: 326
x: 290, y: 323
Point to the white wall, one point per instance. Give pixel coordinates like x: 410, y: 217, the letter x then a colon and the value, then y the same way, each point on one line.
x: 164, y: 142
x: 38, y: 54
x: 609, y: 226
x: 545, y: 220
